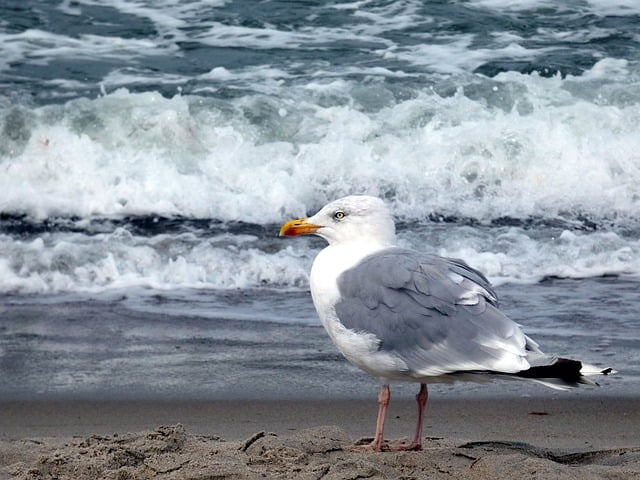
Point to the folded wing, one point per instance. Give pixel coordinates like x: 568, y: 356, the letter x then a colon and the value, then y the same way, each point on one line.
x: 438, y: 315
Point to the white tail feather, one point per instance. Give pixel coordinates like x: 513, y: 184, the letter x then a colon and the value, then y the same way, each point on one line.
x: 589, y: 370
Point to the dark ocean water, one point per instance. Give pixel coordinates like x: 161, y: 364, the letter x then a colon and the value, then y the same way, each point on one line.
x: 149, y: 151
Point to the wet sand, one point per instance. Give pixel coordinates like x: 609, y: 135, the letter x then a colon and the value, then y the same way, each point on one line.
x: 577, y: 436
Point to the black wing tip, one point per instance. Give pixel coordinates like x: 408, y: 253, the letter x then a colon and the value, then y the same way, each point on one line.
x: 564, y: 369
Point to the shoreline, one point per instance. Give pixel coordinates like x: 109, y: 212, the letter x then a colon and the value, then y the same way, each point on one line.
x: 535, y: 437
x: 559, y: 422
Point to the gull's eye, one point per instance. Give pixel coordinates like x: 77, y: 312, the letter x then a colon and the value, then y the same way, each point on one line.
x: 339, y: 215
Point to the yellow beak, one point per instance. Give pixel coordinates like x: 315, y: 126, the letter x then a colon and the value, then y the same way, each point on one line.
x: 298, y: 226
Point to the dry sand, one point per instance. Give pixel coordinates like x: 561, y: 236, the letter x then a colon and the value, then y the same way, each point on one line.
x: 572, y: 437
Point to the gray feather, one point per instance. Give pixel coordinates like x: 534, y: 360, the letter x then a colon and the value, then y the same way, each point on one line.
x: 428, y: 310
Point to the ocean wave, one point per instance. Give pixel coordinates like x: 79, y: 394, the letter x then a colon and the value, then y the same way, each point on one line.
x: 202, y: 255
x: 160, y: 144
x: 515, y: 146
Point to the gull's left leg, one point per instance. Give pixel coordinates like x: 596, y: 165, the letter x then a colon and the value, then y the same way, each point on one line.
x: 378, y: 444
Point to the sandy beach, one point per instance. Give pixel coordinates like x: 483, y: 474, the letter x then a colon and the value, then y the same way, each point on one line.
x: 575, y: 436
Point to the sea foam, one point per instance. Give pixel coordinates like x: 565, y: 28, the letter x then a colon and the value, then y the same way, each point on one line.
x: 516, y: 145
x: 541, y: 173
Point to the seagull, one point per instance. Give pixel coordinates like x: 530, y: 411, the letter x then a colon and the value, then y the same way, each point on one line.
x: 403, y: 315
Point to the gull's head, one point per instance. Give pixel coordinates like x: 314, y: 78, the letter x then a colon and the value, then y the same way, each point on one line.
x: 348, y: 219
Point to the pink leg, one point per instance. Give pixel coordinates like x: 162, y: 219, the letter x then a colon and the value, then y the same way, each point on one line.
x: 383, y: 401
x: 416, y: 444
x: 421, y: 398
x: 378, y: 445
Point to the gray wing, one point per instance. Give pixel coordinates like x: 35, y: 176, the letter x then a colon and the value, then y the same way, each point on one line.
x: 437, y: 315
